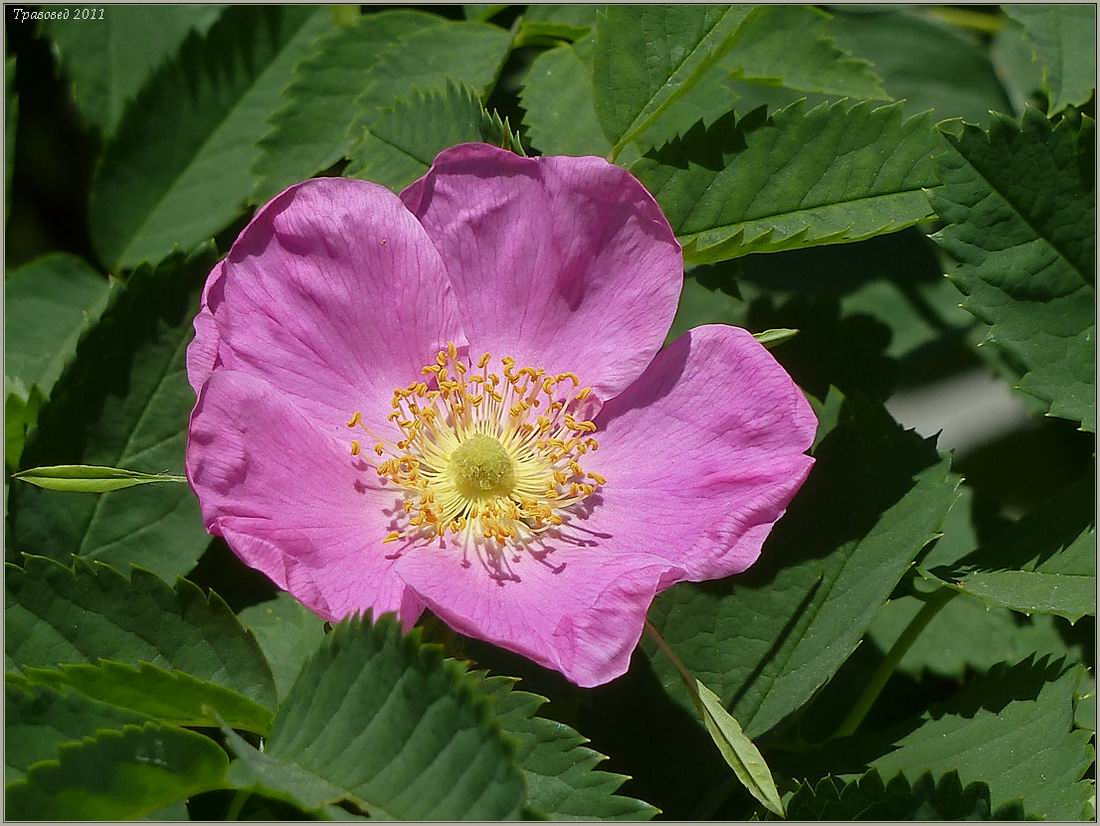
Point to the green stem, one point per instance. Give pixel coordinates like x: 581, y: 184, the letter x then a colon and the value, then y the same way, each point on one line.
x: 967, y: 19
x: 677, y: 663
x: 237, y: 804
x: 893, y: 657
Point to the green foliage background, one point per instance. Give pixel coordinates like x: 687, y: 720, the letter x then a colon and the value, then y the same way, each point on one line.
x: 918, y: 638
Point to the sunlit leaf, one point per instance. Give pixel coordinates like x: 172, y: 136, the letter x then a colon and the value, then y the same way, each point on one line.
x: 288, y: 633
x: 91, y: 479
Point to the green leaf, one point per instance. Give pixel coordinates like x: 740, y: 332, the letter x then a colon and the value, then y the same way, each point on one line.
x: 929, y: 64
x: 288, y: 633
x: 766, y: 640
x: 119, y: 775
x: 834, y: 174
x: 55, y: 298
x: 20, y: 413
x: 38, y: 719
x: 191, y: 135
x: 1064, y: 37
x: 169, y: 696
x: 775, y: 337
x: 559, y: 104
x: 1013, y: 729
x: 57, y: 615
x: 738, y: 750
x: 1014, y: 59
x: 1020, y: 206
x: 548, y: 20
x: 108, y: 61
x: 648, y: 56
x: 90, y: 479
x: 793, y: 46
x: 363, y: 70
x: 123, y: 402
x: 1043, y: 564
x: 399, y: 145
x: 868, y: 798
x: 563, y: 782
x: 311, y: 131
x: 377, y: 719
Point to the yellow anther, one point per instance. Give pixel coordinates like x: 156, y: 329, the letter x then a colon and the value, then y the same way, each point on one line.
x: 392, y: 536
x: 483, y: 362
x: 355, y: 419
x: 354, y: 447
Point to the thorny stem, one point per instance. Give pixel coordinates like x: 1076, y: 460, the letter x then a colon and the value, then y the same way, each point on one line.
x: 890, y: 662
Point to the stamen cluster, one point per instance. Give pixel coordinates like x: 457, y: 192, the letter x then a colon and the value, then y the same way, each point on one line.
x: 492, y: 457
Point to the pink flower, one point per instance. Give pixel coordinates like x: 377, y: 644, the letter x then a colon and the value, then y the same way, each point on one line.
x: 455, y: 399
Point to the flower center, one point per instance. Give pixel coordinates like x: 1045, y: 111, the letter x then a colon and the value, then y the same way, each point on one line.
x: 488, y: 456
x: 482, y: 468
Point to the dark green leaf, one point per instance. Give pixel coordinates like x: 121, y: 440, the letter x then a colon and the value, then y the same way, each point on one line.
x: 834, y: 174
x: 57, y: 615
x: 109, y: 60
x: 119, y: 775
x: 793, y: 46
x: 123, y: 402
x: 49, y: 302
x: 929, y: 64
x: 399, y: 144
x: 563, y: 782
x: 1043, y: 564
x: 169, y: 696
x: 868, y: 798
x: 548, y: 20
x: 765, y: 641
x: 360, y: 70
x: 1014, y: 59
x: 20, y: 413
x: 648, y: 56
x: 1064, y: 37
x: 288, y: 633
x: 558, y: 102
x: 1012, y: 730
x: 1020, y: 206
x: 38, y: 719
x: 377, y: 719
x: 191, y: 136
x: 90, y: 478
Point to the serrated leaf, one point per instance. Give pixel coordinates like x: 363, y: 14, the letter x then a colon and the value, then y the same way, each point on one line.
x: 399, y: 144
x: 563, y: 782
x: 1020, y: 206
x: 766, y: 640
x: 119, y: 775
x: 793, y: 46
x: 49, y: 302
x: 929, y: 64
x: 191, y: 136
x: 648, y: 56
x: 1013, y: 730
x: 1043, y: 564
x: 57, y: 615
x: 558, y: 103
x: 168, y: 696
x: 377, y: 719
x: 107, y: 61
x: 123, y: 402
x: 288, y: 633
x: 834, y: 174
x: 868, y: 798
x: 91, y: 478
x: 361, y: 70
x: 39, y: 719
x: 1064, y: 37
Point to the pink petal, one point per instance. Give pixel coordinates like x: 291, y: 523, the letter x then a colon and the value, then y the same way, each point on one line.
x: 563, y: 263
x: 580, y: 610
x: 291, y: 501
x: 702, y: 454
x: 334, y: 294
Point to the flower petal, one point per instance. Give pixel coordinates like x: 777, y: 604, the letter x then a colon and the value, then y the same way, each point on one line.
x: 334, y: 294
x: 563, y: 263
x: 291, y: 501
x: 579, y: 610
x: 702, y: 454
